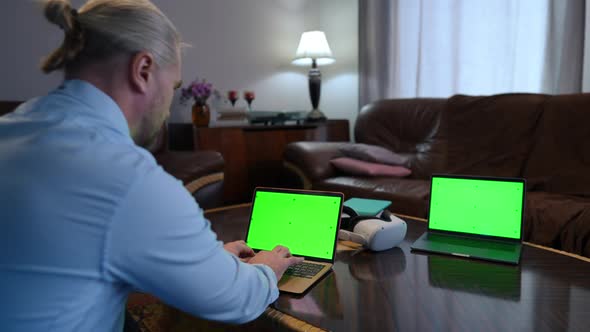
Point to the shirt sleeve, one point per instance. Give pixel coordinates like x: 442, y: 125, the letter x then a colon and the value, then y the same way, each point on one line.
x: 160, y: 242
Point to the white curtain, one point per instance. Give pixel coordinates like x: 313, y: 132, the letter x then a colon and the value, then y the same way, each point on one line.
x: 437, y: 48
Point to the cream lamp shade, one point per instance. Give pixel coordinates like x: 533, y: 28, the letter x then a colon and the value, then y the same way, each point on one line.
x: 313, y: 45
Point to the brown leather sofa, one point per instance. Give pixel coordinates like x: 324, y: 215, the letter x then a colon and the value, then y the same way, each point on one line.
x: 542, y: 138
x: 201, y: 172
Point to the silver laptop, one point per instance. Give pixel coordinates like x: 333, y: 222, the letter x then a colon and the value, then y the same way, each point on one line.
x: 475, y: 217
x: 304, y: 221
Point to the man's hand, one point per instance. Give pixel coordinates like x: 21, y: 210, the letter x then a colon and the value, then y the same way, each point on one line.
x: 239, y: 249
x: 279, y: 259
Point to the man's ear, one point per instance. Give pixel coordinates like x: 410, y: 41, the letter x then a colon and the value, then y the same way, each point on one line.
x: 142, y: 69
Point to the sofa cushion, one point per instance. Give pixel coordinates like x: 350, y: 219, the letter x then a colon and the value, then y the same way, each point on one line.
x: 408, y: 196
x: 410, y: 127
x: 374, y: 154
x: 558, y: 221
x: 560, y: 158
x: 359, y: 167
x: 566, y: 183
x: 491, y: 135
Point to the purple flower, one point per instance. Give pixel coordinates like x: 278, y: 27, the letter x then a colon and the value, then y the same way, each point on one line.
x: 199, y: 90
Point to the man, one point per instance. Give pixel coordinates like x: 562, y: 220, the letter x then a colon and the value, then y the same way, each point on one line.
x: 86, y: 215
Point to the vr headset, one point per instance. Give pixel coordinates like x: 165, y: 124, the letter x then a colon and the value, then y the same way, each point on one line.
x: 376, y: 233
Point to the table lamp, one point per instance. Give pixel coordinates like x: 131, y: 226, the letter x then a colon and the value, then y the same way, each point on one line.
x: 314, y: 50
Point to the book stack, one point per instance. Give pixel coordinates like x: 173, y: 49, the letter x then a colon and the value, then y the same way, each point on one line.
x: 231, y: 117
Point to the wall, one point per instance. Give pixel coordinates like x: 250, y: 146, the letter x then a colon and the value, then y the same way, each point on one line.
x: 245, y: 44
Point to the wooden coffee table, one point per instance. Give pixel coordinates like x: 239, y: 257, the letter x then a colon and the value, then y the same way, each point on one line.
x: 401, y: 290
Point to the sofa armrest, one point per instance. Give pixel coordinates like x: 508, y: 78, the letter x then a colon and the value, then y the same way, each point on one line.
x: 311, y: 160
x: 190, y: 165
x: 201, y: 172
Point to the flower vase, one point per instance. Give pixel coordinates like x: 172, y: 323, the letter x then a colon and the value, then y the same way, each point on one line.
x: 201, y: 115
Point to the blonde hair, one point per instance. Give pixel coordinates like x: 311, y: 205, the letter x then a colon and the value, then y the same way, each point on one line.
x: 105, y: 28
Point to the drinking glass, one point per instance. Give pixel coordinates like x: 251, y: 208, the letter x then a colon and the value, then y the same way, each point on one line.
x: 232, y: 95
x: 249, y: 96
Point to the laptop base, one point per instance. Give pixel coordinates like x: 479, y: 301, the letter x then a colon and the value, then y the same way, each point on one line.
x: 490, y: 250
x: 298, y: 285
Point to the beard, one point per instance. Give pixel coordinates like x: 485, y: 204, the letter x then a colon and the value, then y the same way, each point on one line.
x: 149, y: 133
x: 154, y: 143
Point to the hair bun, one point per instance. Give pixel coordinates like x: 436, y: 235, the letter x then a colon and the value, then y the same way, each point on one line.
x: 60, y: 12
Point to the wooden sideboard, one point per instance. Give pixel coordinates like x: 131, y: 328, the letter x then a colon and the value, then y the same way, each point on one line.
x: 253, y: 154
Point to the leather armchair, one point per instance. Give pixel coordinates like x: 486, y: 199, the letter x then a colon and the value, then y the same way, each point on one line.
x: 201, y: 172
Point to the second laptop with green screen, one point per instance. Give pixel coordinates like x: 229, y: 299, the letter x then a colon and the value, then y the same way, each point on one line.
x: 476, y: 217
x: 304, y: 221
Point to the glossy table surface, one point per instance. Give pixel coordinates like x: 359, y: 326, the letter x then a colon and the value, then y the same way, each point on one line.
x: 401, y: 290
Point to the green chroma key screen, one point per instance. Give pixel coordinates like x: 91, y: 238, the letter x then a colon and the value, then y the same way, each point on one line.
x: 477, y: 206
x: 307, y: 224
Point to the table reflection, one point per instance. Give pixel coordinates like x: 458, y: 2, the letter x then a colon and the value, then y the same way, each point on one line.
x: 367, y: 265
x: 478, y: 277
x: 322, y: 302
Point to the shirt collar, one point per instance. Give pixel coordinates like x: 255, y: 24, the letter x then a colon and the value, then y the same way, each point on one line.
x: 99, y: 104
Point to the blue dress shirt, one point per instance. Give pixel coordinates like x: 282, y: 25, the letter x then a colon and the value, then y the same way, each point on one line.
x: 86, y: 216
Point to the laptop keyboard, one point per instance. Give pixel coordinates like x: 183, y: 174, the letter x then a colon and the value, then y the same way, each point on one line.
x: 304, y: 270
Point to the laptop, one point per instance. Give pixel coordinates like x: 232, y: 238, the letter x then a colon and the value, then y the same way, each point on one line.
x: 475, y: 217
x: 304, y: 221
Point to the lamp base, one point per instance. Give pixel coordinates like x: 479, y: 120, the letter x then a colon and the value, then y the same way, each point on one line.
x: 315, y: 116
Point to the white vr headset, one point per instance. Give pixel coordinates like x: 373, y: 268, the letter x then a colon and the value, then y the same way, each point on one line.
x: 377, y: 233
